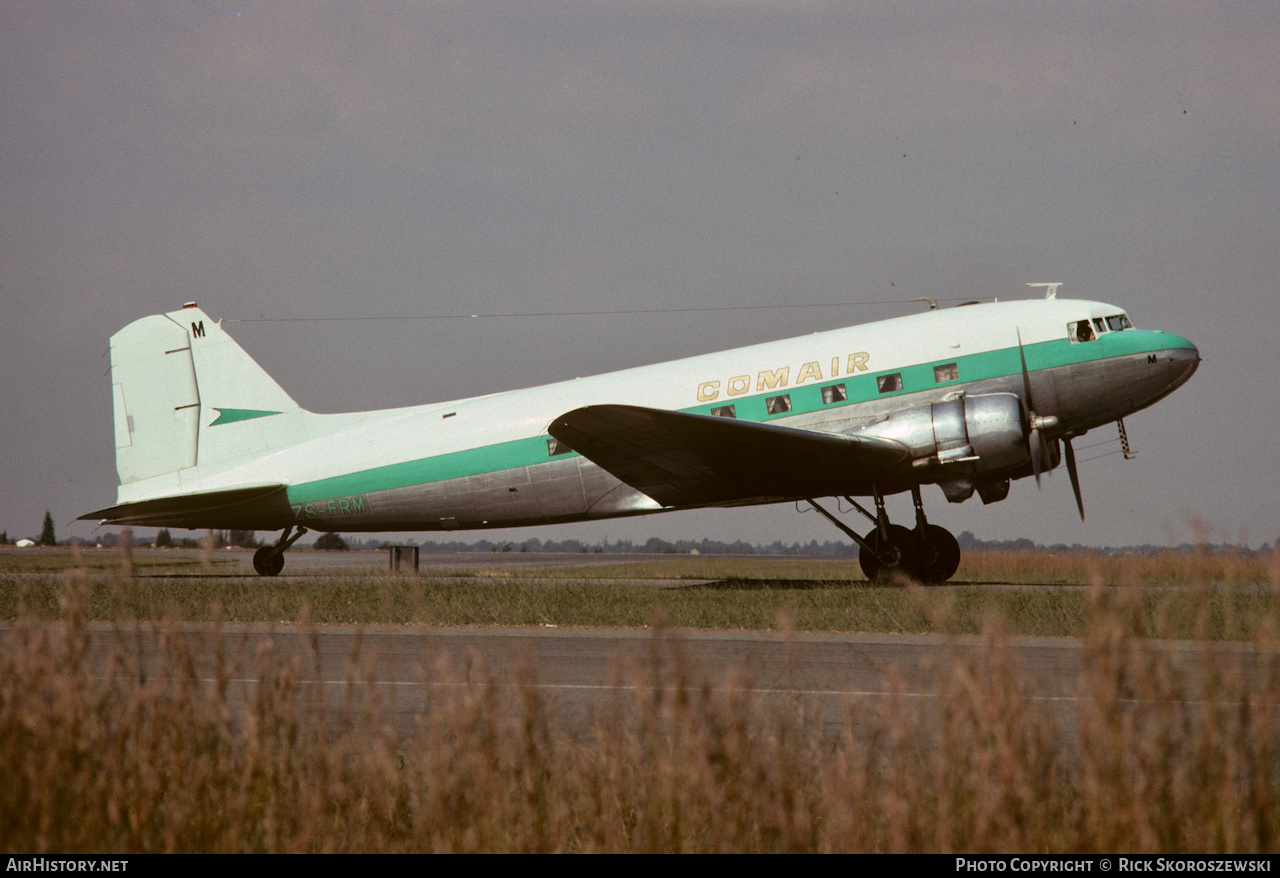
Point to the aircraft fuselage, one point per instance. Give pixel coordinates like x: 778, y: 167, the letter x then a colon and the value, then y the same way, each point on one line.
x: 947, y: 386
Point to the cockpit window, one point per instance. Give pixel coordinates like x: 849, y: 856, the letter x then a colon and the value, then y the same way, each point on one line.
x: 1119, y: 322
x: 1099, y: 324
x: 1080, y: 331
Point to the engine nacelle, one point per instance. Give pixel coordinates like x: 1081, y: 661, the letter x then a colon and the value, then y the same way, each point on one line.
x: 966, y: 443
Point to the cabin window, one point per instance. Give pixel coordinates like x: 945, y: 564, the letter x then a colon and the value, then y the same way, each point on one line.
x: 949, y: 372
x: 834, y: 393
x: 555, y: 447
x: 889, y: 383
x: 1119, y: 322
x: 777, y: 405
x: 724, y: 411
x: 1081, y: 331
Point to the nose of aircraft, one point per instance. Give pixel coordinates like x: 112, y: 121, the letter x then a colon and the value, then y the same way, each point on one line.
x: 1183, y: 360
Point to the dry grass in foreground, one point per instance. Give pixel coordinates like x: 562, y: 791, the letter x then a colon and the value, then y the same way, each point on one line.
x: 1160, y: 754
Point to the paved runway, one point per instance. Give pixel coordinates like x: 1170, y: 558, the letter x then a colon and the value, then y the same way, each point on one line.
x: 839, y: 678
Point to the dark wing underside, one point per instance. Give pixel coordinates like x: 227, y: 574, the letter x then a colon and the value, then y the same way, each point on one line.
x: 680, y: 459
x: 265, y: 507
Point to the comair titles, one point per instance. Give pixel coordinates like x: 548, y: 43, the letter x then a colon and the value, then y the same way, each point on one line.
x: 772, y: 379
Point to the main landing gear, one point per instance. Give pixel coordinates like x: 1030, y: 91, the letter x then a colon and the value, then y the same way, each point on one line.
x: 929, y: 553
x: 269, y: 560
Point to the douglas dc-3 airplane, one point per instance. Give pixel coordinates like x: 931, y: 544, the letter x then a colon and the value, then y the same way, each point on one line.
x: 968, y: 398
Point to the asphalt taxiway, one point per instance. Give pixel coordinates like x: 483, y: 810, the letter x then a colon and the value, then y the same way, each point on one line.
x: 841, y: 680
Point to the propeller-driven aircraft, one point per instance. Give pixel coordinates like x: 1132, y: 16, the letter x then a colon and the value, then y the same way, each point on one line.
x: 968, y: 398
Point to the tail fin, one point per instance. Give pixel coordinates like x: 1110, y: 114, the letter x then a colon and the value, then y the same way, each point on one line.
x: 177, y: 380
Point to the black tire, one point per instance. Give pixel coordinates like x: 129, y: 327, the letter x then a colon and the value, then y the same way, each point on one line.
x: 939, y: 558
x: 880, y: 564
x: 267, y: 561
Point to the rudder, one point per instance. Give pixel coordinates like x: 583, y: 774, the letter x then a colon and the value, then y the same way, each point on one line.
x: 154, y: 399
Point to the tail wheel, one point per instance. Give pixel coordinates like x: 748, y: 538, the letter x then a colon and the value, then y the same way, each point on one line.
x: 886, y: 557
x: 267, y: 561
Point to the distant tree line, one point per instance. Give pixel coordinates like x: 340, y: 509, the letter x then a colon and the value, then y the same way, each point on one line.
x: 811, y: 549
x: 247, y: 539
x: 217, y: 539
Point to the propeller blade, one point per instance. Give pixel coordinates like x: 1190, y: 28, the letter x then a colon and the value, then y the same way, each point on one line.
x: 1035, y: 443
x: 1026, y: 376
x: 1075, y: 476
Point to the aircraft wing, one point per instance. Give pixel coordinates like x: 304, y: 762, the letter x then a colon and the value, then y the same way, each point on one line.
x: 681, y: 459
x: 261, y: 507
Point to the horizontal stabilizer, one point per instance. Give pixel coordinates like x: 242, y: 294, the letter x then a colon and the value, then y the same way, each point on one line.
x: 264, y: 507
x: 681, y: 459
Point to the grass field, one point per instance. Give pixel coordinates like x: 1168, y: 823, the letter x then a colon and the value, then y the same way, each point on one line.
x: 1203, y: 596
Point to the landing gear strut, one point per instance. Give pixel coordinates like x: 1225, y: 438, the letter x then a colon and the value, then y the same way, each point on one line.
x: 269, y: 560
x: 929, y: 553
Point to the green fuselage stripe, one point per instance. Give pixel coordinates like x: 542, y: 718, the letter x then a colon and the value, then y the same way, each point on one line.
x: 805, y: 399
x: 440, y: 468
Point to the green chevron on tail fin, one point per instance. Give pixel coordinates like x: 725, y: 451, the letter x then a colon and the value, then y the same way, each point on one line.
x: 231, y: 416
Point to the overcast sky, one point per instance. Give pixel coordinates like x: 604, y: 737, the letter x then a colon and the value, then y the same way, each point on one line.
x: 405, y: 159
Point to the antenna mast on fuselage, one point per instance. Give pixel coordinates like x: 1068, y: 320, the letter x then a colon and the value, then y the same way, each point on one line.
x: 1050, y: 289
